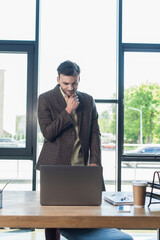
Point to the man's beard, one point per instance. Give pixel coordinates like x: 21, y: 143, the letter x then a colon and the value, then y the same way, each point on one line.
x: 69, y: 93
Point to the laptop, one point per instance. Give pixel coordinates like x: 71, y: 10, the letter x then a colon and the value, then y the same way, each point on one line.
x: 70, y: 185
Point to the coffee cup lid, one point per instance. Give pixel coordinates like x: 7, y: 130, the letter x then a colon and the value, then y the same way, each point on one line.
x: 139, y: 183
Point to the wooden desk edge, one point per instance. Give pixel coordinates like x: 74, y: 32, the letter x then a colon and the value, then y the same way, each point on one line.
x: 127, y: 222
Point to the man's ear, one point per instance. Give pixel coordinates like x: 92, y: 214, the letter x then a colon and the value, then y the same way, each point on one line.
x: 58, y: 80
x: 79, y: 79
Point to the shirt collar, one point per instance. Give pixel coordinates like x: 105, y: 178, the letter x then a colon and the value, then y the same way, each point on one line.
x: 63, y: 94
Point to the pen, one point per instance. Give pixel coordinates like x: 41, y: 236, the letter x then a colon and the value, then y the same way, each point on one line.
x: 124, y: 198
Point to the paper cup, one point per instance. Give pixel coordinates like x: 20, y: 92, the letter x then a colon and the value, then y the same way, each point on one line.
x: 139, y: 193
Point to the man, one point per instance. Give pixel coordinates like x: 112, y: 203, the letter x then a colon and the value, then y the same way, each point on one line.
x: 68, y: 120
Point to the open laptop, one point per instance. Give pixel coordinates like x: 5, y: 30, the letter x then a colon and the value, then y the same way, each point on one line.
x: 70, y: 185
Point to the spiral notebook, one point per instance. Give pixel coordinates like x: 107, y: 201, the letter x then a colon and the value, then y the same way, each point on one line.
x: 119, y: 198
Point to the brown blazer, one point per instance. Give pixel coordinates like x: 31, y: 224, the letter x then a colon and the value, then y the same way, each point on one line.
x: 59, y: 134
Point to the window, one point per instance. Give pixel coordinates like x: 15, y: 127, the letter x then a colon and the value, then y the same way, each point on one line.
x: 17, y: 19
x: 141, y: 21
x: 18, y: 91
x: 107, y: 122
x: 141, y: 101
x: 13, y: 90
x: 19, y: 172
x: 139, y: 58
x: 90, y: 41
x: 84, y: 32
x: 16, y: 82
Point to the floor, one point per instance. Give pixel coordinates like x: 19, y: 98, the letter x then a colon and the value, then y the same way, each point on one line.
x: 38, y: 234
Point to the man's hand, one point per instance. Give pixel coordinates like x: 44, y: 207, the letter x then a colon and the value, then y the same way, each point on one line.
x: 93, y: 164
x: 72, y: 103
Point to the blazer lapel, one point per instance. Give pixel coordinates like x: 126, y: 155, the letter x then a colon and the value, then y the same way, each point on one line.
x: 60, y: 98
x: 79, y: 111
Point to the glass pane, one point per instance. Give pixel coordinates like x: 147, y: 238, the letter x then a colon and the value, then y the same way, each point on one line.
x: 85, y: 33
x: 107, y: 123
x: 137, y: 171
x: 141, y: 21
x: 17, y: 19
x: 141, y: 103
x: 19, y: 173
x: 13, y: 85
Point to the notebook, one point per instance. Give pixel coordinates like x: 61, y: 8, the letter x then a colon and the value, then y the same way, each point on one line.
x: 70, y: 185
x: 119, y: 198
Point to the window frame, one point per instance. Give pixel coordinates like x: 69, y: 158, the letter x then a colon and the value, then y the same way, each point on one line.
x: 122, y: 48
x: 31, y: 48
x: 26, y: 152
x: 131, y: 47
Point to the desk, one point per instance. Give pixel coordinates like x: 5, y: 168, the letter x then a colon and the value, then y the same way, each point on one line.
x: 23, y: 210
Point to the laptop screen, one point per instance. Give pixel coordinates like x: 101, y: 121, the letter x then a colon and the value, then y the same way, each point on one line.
x: 70, y: 185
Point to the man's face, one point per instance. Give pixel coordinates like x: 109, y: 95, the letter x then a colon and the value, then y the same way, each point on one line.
x: 69, y: 84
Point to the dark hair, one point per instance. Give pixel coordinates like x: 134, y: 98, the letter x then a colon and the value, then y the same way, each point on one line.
x: 68, y: 68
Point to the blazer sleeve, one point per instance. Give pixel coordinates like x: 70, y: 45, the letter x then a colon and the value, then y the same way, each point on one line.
x: 51, y: 123
x: 95, y: 145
